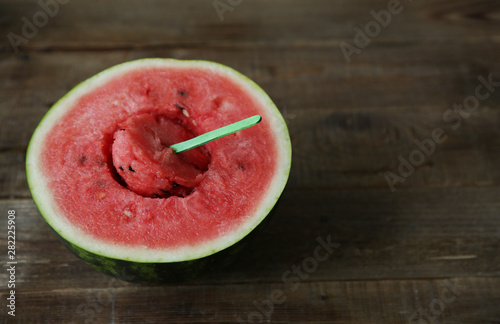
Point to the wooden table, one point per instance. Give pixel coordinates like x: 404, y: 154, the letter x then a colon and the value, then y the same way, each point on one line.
x: 396, y: 159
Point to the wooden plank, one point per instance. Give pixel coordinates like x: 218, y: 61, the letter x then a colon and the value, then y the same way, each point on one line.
x: 12, y: 173
x: 100, y: 26
x: 389, y: 301
x: 431, y: 233
x: 384, y: 77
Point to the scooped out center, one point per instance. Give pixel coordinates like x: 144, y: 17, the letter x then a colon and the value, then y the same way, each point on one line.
x: 143, y: 160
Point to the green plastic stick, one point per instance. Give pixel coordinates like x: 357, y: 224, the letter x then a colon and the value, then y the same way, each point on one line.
x: 216, y: 134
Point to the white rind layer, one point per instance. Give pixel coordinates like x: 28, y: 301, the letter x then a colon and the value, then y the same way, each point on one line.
x: 50, y: 211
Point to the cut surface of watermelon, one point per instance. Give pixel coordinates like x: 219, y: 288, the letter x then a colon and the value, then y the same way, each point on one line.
x: 103, y: 176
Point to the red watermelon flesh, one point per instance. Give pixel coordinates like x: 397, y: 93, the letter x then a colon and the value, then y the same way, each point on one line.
x: 143, y: 159
x: 113, y: 176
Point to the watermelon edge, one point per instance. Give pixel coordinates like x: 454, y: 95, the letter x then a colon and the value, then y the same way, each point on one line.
x: 103, y: 262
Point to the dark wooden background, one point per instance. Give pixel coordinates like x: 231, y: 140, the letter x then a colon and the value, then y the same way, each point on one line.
x: 427, y: 252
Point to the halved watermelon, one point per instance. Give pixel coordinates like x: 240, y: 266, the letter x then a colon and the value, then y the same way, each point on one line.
x: 102, y: 175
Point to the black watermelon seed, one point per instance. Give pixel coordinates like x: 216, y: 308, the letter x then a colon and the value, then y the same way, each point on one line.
x: 175, y: 184
x: 165, y: 191
x: 182, y: 93
x: 130, y: 168
x: 82, y: 159
x: 179, y: 106
x: 121, y: 168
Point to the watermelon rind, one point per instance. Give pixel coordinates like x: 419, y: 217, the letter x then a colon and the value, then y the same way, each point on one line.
x: 112, y: 258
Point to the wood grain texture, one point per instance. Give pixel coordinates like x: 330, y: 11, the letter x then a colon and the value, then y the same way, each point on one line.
x: 378, y: 302
x: 294, y: 23
x: 403, y: 255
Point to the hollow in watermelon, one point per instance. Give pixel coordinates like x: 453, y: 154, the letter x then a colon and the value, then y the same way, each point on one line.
x: 103, y: 176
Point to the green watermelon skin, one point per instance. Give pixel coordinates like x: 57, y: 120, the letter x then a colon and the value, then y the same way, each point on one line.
x: 143, y: 273
x: 166, y: 273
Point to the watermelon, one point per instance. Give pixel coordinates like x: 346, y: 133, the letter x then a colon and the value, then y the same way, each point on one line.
x: 104, y: 178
